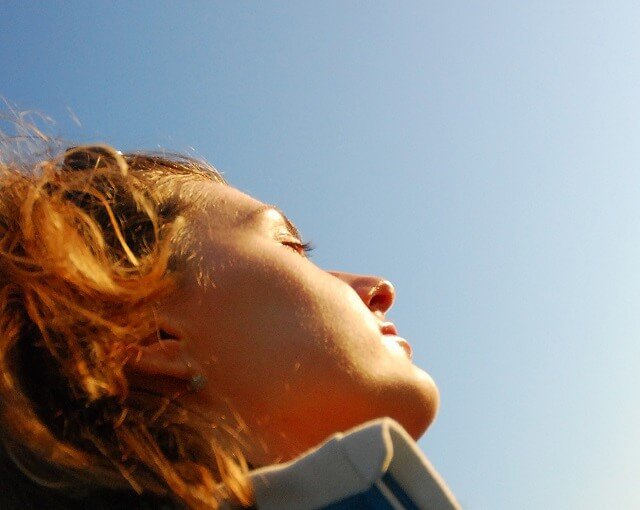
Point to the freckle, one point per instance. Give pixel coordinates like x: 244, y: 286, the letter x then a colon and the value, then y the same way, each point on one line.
x: 296, y: 367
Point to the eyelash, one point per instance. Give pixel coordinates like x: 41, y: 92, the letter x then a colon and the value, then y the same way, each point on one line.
x: 302, y: 249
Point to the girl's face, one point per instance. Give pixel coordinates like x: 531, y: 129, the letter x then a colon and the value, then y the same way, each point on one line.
x: 300, y: 352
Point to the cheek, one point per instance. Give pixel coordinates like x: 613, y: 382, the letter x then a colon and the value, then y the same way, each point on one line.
x: 264, y: 320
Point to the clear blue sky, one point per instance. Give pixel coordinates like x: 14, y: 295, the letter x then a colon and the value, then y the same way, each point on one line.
x: 484, y: 156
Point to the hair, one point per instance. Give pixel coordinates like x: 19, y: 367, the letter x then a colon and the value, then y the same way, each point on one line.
x: 89, y: 240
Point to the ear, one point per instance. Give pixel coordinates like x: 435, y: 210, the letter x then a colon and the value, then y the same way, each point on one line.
x: 163, y: 355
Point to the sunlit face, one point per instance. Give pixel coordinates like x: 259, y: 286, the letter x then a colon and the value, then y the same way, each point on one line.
x: 299, y: 352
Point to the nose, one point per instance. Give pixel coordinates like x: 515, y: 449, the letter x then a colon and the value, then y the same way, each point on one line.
x: 377, y: 293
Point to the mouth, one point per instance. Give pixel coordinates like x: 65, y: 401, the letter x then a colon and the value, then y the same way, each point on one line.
x: 393, y: 341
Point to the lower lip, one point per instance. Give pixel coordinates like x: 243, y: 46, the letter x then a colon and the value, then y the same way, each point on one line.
x: 398, y: 345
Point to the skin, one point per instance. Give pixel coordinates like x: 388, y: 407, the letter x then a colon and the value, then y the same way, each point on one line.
x: 294, y: 352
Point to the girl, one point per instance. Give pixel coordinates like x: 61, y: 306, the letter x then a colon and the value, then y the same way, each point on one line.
x: 162, y: 333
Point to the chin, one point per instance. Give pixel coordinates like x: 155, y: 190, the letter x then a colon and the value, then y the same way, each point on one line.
x: 418, y: 409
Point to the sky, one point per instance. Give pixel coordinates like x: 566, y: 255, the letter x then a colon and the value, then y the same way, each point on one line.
x: 483, y: 156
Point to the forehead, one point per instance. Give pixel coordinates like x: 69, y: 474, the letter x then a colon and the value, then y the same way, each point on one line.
x: 224, y: 203
x: 220, y: 207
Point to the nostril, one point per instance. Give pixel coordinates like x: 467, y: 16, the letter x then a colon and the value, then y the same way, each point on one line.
x: 380, y: 303
x: 381, y: 297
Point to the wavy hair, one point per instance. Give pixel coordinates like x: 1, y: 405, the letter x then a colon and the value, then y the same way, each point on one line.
x: 89, y: 241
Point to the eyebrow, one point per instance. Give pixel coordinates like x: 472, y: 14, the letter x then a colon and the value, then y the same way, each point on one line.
x: 269, y: 207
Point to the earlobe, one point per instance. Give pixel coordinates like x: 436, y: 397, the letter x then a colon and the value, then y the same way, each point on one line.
x: 163, y: 358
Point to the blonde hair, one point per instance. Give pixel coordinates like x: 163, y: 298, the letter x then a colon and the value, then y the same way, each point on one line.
x: 89, y: 240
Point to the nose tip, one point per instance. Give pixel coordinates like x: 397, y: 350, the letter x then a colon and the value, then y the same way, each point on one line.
x: 377, y: 293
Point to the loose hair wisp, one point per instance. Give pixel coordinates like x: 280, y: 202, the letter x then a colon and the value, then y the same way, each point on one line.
x: 88, y: 242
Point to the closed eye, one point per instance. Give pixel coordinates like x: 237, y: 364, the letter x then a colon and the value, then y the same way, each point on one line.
x: 302, y: 249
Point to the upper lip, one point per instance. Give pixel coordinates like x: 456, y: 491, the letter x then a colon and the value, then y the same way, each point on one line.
x: 388, y: 328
